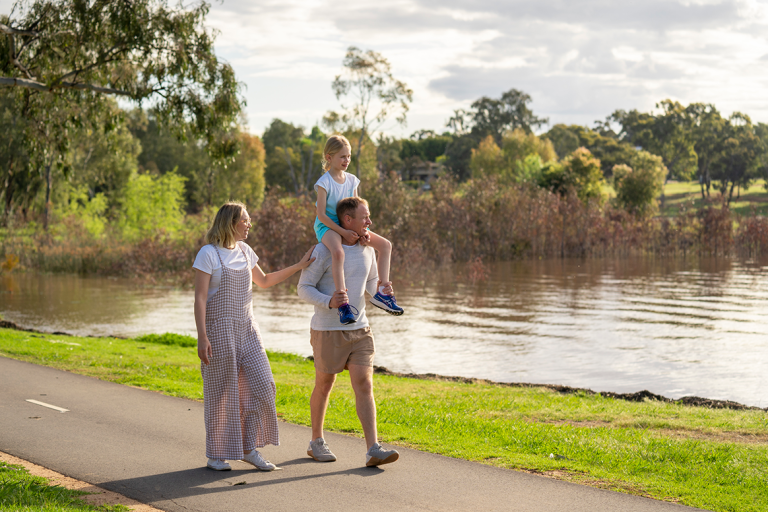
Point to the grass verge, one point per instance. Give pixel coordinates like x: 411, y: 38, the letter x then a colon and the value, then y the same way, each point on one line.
x: 750, y: 201
x: 715, y: 459
x: 20, y: 491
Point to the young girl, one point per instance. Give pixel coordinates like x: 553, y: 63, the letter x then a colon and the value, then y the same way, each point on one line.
x: 333, y: 186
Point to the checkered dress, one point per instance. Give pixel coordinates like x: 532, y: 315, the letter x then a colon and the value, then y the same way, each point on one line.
x: 238, y: 388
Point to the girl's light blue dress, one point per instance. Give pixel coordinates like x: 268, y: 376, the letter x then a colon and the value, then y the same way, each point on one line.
x: 335, y: 192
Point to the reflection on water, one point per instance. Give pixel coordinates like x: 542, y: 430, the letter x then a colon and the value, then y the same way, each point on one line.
x: 674, y: 327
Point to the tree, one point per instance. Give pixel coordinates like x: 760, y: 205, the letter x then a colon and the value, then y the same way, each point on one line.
x: 17, y: 182
x: 708, y: 128
x: 101, y: 160
x: 739, y: 160
x: 602, y: 142
x: 667, y: 134
x: 518, y: 144
x: 63, y: 58
x: 294, y: 159
x: 487, y: 160
x: 243, y: 178
x: 488, y: 116
x: 579, y: 171
x: 374, y: 96
x: 638, y: 186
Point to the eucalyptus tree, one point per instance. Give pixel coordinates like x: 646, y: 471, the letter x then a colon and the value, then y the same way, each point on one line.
x: 371, y: 95
x: 668, y: 134
x: 62, y: 58
x: 737, y: 164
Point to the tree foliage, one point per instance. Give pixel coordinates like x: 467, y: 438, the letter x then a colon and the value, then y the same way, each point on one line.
x: 294, y: 158
x: 603, y: 143
x: 60, y: 60
x: 578, y: 172
x: 637, y: 187
x: 667, y: 134
x: 488, y: 116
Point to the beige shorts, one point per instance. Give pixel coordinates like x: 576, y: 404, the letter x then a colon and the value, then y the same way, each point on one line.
x: 334, y: 350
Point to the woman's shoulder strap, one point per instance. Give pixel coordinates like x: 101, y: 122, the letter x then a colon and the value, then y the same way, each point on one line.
x: 216, y: 248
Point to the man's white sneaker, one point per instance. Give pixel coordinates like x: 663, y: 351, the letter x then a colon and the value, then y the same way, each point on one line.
x: 377, y: 456
x: 319, y: 451
x: 218, y: 465
x: 255, y: 459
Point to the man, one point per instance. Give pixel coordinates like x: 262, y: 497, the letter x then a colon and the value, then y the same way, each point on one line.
x: 338, y: 347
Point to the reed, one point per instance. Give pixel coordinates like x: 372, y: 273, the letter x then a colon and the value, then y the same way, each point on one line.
x: 475, y: 221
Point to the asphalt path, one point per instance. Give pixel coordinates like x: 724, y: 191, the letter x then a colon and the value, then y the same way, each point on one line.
x: 151, y: 448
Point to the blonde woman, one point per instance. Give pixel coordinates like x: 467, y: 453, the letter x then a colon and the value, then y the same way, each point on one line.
x: 333, y: 186
x: 238, y: 388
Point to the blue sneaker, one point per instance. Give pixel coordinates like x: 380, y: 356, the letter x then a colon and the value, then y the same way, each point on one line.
x: 387, y: 303
x: 345, y: 314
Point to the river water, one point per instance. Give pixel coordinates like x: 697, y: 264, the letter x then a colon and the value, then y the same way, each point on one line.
x: 674, y: 327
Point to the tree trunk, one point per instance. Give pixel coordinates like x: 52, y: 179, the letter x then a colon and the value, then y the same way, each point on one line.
x: 310, y: 167
x: 48, y: 187
x: 359, y: 150
x: 8, y: 191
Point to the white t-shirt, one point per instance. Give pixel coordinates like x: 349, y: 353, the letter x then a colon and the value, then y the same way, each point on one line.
x: 208, y: 261
x: 335, y: 192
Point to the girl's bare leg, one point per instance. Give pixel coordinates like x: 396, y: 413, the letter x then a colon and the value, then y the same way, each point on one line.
x: 384, y: 248
x: 332, y: 240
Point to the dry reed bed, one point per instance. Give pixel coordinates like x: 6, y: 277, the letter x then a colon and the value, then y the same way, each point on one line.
x: 471, y: 222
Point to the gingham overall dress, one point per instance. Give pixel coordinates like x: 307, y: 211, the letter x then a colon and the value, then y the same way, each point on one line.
x: 238, y: 388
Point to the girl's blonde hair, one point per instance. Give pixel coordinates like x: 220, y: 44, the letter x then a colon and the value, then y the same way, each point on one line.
x: 222, y: 231
x: 332, y: 146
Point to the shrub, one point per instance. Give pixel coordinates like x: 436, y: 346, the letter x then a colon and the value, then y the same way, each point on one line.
x: 638, y: 186
x: 152, y: 204
x: 578, y: 172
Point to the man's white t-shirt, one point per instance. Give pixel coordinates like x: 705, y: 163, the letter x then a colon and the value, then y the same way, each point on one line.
x: 208, y: 261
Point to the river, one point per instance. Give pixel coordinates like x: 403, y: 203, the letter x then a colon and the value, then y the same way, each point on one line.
x: 674, y: 327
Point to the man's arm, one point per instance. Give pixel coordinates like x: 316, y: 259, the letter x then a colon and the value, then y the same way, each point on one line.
x: 310, y: 276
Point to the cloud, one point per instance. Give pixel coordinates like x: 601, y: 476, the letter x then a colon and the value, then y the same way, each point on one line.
x: 578, y: 59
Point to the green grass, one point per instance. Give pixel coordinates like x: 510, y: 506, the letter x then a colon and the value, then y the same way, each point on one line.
x: 20, y: 491
x: 688, y: 195
x: 710, y: 458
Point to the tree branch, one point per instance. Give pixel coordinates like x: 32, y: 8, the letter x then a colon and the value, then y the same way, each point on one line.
x: 5, y: 29
x: 31, y: 84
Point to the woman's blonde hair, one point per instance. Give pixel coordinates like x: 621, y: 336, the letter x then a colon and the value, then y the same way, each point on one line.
x: 332, y: 146
x: 222, y: 231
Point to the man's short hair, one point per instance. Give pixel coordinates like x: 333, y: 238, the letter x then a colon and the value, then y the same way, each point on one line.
x: 349, y: 206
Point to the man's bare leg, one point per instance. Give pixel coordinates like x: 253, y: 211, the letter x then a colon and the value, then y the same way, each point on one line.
x: 318, y: 402
x: 362, y: 384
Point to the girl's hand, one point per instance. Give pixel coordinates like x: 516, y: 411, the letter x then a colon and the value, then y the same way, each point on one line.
x: 306, y: 260
x: 365, y: 239
x: 350, y: 237
x: 204, y: 351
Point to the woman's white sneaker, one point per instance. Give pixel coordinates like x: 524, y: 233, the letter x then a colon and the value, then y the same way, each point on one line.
x: 255, y: 459
x: 219, y: 465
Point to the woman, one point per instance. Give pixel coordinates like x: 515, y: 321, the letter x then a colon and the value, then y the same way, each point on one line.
x: 238, y: 388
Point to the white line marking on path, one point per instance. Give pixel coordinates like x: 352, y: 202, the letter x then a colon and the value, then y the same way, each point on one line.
x: 60, y: 409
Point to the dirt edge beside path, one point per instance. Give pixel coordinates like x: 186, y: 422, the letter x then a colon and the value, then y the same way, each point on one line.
x: 98, y: 495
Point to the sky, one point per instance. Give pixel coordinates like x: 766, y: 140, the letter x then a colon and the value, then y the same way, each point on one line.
x: 579, y: 60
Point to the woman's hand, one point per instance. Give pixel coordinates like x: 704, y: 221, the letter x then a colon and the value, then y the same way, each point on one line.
x: 306, y: 260
x: 350, y: 237
x: 204, y: 351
